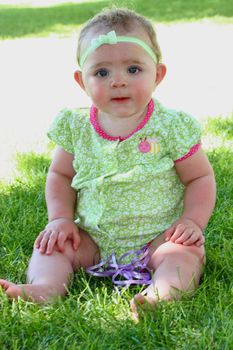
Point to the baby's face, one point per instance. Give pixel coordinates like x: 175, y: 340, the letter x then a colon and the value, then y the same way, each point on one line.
x: 120, y: 78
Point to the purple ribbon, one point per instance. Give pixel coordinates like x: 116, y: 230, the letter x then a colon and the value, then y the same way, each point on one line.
x: 135, y: 272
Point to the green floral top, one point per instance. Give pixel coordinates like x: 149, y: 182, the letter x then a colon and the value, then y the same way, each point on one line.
x: 127, y: 191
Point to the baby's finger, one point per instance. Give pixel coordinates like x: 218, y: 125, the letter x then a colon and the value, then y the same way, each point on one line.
x: 44, y: 241
x: 39, y: 239
x: 192, y: 239
x: 178, y: 232
x: 62, y: 237
x: 200, y: 241
x: 184, y: 236
x: 169, y: 232
x: 51, y: 242
x: 76, y: 240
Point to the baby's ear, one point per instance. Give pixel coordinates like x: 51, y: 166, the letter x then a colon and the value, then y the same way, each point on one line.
x: 78, y: 78
x: 161, y: 70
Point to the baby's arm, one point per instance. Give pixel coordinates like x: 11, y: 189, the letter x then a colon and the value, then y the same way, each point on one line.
x: 197, y: 176
x: 60, y: 199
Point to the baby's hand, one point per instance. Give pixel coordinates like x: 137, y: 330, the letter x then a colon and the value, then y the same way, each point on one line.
x: 186, y: 232
x: 57, y: 232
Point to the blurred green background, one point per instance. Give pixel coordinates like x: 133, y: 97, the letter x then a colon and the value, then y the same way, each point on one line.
x: 31, y: 19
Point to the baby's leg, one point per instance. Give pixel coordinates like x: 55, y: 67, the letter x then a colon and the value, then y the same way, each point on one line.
x: 49, y: 275
x: 177, y: 269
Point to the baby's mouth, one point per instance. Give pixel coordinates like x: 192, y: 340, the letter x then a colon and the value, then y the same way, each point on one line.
x: 120, y: 99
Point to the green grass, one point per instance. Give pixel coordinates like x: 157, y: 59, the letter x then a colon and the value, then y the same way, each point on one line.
x: 219, y: 126
x: 64, y: 19
x: 96, y: 316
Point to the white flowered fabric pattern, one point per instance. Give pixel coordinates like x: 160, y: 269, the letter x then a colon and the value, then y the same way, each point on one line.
x: 128, y: 191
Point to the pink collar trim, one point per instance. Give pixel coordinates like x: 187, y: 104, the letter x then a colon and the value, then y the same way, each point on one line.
x: 103, y: 134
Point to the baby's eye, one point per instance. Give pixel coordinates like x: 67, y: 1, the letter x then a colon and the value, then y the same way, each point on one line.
x: 133, y: 69
x: 102, y: 73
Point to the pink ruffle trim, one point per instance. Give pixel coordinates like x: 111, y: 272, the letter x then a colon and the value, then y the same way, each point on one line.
x: 103, y: 134
x: 192, y: 150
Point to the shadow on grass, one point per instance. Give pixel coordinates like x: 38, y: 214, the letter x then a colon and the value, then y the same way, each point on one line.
x: 27, y: 21
x: 23, y: 213
x: 222, y: 218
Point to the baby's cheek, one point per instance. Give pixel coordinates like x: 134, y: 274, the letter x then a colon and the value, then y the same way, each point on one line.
x: 142, y: 92
x: 98, y: 95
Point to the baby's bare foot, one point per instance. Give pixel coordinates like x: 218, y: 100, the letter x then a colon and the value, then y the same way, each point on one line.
x: 38, y: 293
x: 149, y: 297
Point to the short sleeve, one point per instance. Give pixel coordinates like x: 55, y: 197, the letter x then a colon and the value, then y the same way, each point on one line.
x: 185, y: 133
x: 60, y: 130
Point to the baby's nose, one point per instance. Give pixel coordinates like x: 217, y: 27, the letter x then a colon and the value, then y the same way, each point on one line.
x: 118, y: 80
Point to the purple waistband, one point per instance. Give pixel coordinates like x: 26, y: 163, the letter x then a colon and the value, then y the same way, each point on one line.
x: 135, y: 272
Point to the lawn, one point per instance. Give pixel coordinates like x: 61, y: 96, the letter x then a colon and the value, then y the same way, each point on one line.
x: 20, y: 21
x: 94, y: 315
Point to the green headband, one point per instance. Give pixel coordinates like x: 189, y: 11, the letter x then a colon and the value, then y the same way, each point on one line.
x: 111, y: 38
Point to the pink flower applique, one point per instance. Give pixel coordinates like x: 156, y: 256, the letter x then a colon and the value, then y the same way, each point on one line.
x: 144, y: 146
